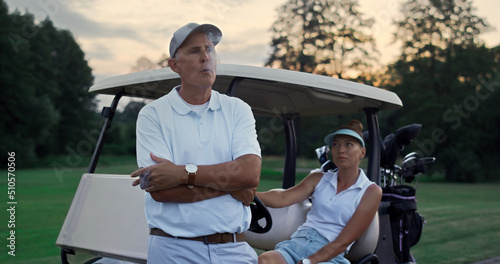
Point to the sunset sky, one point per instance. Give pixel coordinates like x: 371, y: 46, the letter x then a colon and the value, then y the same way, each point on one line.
x: 114, y: 34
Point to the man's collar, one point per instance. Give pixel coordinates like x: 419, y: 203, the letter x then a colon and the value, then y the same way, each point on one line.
x: 180, y: 107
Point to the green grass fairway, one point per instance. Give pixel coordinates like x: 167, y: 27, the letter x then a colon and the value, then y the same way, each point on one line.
x: 463, y: 220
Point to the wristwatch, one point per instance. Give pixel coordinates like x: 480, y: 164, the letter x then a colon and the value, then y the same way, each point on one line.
x: 191, y: 170
x: 306, y: 261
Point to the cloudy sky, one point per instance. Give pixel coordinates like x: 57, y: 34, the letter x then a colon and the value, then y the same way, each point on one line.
x: 114, y: 34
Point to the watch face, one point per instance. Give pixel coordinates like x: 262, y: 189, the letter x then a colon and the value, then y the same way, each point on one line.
x: 191, y: 168
x: 306, y: 261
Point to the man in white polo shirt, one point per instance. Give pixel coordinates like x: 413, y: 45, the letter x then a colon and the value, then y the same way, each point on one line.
x: 200, y: 161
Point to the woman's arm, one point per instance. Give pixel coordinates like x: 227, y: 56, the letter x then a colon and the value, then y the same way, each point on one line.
x: 297, y: 193
x: 357, y: 225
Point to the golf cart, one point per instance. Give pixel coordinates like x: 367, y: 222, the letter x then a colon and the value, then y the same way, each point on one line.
x: 106, y: 218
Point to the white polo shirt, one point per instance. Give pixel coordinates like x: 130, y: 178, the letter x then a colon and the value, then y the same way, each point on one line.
x: 169, y: 129
x: 330, y: 211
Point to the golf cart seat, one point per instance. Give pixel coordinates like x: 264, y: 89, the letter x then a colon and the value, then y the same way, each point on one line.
x: 286, y: 220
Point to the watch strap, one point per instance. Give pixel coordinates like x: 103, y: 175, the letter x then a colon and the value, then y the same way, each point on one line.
x: 191, y: 177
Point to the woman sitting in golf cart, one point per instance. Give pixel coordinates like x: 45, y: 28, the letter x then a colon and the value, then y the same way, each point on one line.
x: 344, y: 202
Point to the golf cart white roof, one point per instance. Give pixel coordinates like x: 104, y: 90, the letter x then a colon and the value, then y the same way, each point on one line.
x: 268, y: 91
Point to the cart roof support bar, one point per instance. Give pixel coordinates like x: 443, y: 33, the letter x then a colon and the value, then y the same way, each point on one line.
x: 291, y: 151
x: 108, y: 113
x: 374, y: 150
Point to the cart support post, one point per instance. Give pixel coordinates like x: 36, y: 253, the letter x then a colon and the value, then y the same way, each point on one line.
x: 373, y: 170
x: 108, y: 113
x: 291, y: 151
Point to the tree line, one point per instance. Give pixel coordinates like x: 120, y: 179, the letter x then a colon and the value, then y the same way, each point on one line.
x: 445, y: 75
x: 44, y: 80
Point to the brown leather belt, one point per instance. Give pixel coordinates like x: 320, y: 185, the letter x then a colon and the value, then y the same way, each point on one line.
x: 217, y: 238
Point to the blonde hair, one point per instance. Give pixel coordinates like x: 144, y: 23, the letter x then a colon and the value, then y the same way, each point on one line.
x: 355, y: 126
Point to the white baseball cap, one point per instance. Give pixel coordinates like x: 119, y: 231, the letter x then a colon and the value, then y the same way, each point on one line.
x: 213, y: 33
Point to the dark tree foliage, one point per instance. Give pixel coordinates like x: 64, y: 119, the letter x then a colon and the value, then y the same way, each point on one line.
x: 44, y: 80
x: 121, y: 138
x: 430, y: 27
x: 447, y: 80
x: 322, y: 36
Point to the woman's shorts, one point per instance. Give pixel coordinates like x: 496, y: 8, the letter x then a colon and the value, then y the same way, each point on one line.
x: 304, y: 243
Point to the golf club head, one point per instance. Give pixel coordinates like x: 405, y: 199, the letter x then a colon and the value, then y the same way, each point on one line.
x: 328, y: 165
x: 390, y: 152
x: 420, y: 165
x: 410, y: 155
x: 406, y: 134
x: 409, y: 162
x: 322, y: 153
x: 428, y: 159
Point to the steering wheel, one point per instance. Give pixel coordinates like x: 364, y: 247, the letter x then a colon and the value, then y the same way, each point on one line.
x: 259, y: 211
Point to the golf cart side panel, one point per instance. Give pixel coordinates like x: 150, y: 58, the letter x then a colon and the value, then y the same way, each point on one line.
x: 106, y: 219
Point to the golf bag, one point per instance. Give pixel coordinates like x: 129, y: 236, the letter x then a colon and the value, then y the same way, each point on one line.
x: 406, y: 223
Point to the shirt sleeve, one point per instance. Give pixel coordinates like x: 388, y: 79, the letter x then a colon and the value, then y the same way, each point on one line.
x: 245, y: 135
x: 150, y: 138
